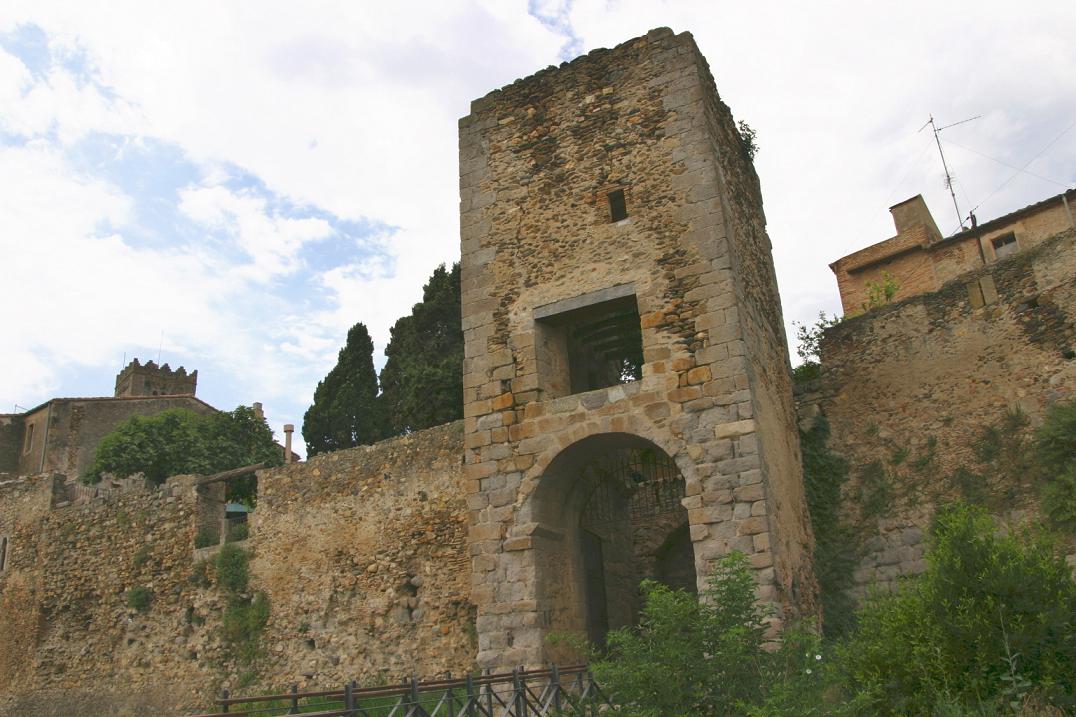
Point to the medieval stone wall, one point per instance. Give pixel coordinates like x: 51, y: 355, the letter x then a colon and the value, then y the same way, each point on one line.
x: 362, y: 554
x: 909, y: 388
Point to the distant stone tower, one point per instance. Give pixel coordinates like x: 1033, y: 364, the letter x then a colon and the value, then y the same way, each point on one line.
x: 628, y: 402
x: 153, y: 380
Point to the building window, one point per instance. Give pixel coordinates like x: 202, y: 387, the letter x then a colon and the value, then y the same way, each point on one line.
x: 618, y: 207
x: 589, y: 342
x: 28, y: 442
x: 1004, y: 245
x: 3, y: 553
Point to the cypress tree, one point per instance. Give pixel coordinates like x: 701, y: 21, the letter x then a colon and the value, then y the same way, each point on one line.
x: 422, y: 381
x: 346, y: 411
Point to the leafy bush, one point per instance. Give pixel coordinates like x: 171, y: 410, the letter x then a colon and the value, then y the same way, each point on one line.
x: 880, y: 293
x: 140, y: 598
x: 238, y: 531
x: 707, y: 653
x: 179, y: 441
x: 992, y: 610
x: 1055, y: 458
x: 243, y: 623
x: 233, y: 569
x: 808, y: 340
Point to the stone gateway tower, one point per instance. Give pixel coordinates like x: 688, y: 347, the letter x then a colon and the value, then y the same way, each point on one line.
x: 628, y: 403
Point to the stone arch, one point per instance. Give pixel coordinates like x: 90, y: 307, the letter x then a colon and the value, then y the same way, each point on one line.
x: 606, y: 513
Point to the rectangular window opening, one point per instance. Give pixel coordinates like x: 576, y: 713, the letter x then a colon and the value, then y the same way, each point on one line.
x: 590, y: 347
x: 1004, y: 245
x: 618, y: 207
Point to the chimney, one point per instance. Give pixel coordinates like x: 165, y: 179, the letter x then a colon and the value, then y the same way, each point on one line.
x: 288, y: 428
x: 258, y: 412
x: 913, y: 213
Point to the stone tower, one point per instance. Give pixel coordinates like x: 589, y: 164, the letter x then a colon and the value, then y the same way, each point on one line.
x: 628, y: 402
x: 153, y: 380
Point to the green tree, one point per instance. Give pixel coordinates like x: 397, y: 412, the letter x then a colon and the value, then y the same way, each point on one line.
x: 346, y: 411
x: 179, y: 441
x: 422, y: 381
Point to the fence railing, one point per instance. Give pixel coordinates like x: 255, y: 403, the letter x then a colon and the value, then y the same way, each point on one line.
x: 519, y: 693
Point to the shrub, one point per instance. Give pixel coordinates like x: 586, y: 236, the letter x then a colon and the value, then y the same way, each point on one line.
x: 808, y: 347
x: 141, y: 557
x: 707, y: 653
x: 233, y: 569
x: 140, y: 598
x: 1055, y: 459
x: 238, y: 531
x: 991, y: 610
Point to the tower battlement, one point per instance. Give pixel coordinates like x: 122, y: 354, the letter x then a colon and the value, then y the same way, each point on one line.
x: 149, y: 379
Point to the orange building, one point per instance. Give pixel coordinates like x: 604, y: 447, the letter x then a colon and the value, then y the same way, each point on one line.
x: 919, y: 259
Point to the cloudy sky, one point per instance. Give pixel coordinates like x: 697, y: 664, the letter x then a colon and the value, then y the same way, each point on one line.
x: 234, y: 184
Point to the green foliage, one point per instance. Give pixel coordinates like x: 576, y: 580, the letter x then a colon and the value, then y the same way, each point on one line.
x: 245, y: 616
x: 346, y: 411
x: 141, y: 556
x: 1055, y: 460
x: 748, y: 139
x: 808, y: 340
x: 836, y: 545
x: 880, y: 293
x: 243, y: 623
x: 233, y: 569
x: 179, y: 441
x: 992, y: 611
x: 206, y: 536
x: 421, y: 383
x: 707, y: 653
x: 238, y: 531
x: 875, y: 490
x: 140, y: 598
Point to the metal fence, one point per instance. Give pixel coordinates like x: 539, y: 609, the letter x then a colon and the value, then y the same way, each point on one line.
x: 568, y: 691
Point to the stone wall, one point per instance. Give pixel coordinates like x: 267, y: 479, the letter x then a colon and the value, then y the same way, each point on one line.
x: 362, y: 554
x: 537, y: 162
x: 908, y: 388
x: 10, y: 443
x: 72, y: 643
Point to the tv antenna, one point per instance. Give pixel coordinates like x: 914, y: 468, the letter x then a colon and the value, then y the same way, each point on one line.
x: 945, y: 166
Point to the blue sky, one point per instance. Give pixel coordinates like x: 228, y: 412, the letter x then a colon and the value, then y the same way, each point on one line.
x: 233, y: 185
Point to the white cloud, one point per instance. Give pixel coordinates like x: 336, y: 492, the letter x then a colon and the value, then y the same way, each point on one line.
x: 351, y: 108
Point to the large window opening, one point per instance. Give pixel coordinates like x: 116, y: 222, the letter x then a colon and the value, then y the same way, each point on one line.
x: 590, y: 342
x: 611, y: 516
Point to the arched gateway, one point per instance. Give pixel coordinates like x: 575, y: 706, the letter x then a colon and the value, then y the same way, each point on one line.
x: 627, y: 393
x: 610, y: 513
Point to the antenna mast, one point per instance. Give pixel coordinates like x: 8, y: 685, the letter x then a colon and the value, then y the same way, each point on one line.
x: 945, y: 166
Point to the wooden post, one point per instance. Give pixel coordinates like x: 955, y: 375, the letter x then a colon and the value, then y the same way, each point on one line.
x: 414, y: 693
x: 294, y: 700
x: 223, y: 700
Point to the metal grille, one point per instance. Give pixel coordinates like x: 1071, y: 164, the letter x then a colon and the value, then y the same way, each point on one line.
x: 646, y: 479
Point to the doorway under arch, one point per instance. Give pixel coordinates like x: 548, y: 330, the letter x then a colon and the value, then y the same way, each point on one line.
x: 609, y: 516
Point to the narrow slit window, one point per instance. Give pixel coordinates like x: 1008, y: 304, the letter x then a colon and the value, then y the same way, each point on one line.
x: 3, y: 553
x: 28, y: 444
x: 618, y: 208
